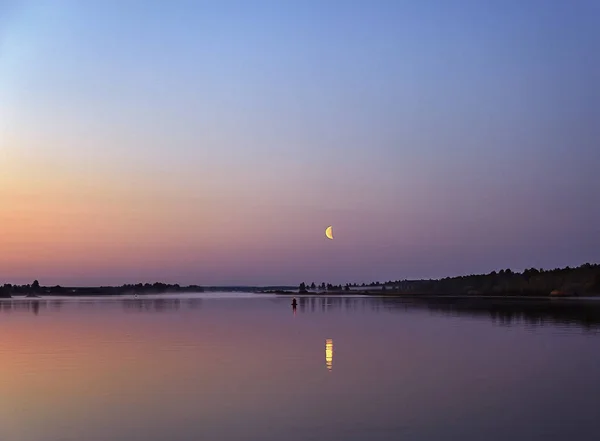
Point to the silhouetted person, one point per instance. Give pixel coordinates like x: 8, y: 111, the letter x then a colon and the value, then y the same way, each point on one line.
x: 294, y: 303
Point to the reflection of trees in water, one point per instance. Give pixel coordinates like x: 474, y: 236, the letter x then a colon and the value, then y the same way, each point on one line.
x: 160, y: 305
x: 32, y: 306
x: 157, y: 305
x: 56, y: 304
x: 130, y: 305
x: 507, y: 312
x: 338, y: 303
x: 536, y: 312
x: 194, y: 303
x: 504, y: 312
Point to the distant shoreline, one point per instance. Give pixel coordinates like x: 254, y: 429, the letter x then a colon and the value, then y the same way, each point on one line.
x: 381, y: 293
x: 35, y: 290
x: 582, y: 281
x: 98, y: 292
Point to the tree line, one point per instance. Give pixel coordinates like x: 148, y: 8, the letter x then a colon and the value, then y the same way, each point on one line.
x: 8, y: 290
x: 304, y: 287
x: 581, y: 280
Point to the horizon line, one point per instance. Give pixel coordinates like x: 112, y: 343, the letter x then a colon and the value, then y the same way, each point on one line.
x: 372, y: 283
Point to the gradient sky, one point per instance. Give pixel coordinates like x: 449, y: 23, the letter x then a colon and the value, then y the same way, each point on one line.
x: 213, y: 142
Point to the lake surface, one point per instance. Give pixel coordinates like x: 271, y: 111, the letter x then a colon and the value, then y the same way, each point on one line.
x: 234, y: 367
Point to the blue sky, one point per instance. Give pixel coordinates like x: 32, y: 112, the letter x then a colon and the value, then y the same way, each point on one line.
x: 443, y: 137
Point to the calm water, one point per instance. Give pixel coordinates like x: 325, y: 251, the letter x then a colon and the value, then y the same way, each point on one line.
x: 247, y: 368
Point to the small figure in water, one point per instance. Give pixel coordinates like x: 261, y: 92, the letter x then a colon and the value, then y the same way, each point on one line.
x: 294, y: 303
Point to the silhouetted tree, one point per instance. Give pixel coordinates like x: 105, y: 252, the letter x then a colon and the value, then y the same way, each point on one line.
x: 313, y: 286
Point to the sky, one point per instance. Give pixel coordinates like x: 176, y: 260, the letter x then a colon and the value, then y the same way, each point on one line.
x: 204, y: 142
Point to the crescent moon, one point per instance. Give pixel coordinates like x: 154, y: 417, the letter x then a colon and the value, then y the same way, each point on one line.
x: 329, y: 232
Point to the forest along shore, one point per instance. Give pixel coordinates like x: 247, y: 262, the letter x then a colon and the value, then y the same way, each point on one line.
x: 582, y: 281
x: 36, y: 290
